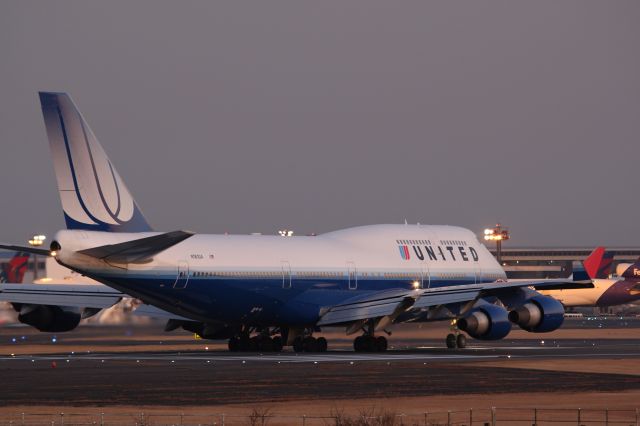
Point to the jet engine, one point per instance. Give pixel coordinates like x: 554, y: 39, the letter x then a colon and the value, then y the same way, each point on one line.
x: 486, y: 322
x: 539, y: 314
x: 52, y: 319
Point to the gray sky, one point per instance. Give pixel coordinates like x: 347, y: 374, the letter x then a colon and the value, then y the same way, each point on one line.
x: 252, y: 116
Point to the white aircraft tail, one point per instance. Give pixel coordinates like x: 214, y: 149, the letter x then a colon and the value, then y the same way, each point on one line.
x: 93, y: 195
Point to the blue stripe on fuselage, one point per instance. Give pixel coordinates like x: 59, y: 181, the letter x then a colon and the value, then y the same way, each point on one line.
x: 256, y: 301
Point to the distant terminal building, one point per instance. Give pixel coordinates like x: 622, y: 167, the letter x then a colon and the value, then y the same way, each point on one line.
x: 540, y: 262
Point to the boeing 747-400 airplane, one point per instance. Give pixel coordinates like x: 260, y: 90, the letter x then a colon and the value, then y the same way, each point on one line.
x: 263, y: 292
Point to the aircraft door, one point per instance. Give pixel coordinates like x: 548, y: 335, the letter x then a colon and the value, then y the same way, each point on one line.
x: 425, y: 280
x: 286, y: 274
x: 353, y: 275
x: 183, y: 275
x: 478, y: 273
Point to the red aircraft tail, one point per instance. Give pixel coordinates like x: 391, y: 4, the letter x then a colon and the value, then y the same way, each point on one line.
x: 13, y: 271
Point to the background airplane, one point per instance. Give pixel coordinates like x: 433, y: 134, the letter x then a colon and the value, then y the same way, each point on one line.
x: 603, y: 291
x: 14, y: 270
x: 263, y: 292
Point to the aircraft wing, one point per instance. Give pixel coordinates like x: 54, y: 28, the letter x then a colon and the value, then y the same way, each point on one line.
x: 152, y: 311
x: 13, y: 247
x: 94, y: 296
x: 76, y: 295
x: 393, y: 303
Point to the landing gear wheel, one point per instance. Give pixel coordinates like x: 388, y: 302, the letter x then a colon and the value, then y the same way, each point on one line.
x: 243, y: 344
x: 309, y: 344
x: 451, y: 341
x: 321, y: 344
x: 265, y: 344
x: 370, y: 343
x: 254, y: 344
x: 358, y: 344
x: 381, y: 343
x: 298, y: 345
x: 234, y: 344
x: 461, y: 341
x: 277, y: 344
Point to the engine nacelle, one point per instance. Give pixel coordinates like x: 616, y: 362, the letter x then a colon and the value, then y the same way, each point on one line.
x: 540, y: 314
x: 487, y: 322
x: 51, y: 319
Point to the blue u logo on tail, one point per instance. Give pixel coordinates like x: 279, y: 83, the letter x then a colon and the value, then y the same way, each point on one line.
x: 93, y: 195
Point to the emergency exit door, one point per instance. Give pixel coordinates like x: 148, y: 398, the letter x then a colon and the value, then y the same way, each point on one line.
x: 353, y: 275
x: 183, y: 276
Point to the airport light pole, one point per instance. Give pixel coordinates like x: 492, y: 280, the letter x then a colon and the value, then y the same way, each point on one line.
x: 36, y: 241
x: 498, y: 234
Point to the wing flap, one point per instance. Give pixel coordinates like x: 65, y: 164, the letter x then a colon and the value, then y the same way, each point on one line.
x: 436, y: 297
x: 33, y: 250
x: 374, y: 305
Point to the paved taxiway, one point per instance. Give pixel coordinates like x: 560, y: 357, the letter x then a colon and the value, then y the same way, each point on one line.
x: 142, y: 366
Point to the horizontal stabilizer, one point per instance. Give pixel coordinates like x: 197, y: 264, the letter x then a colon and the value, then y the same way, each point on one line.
x: 33, y: 250
x: 137, y: 251
x: 78, y: 295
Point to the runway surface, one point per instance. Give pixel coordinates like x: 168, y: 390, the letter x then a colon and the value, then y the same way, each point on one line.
x: 141, y: 366
x: 515, y: 350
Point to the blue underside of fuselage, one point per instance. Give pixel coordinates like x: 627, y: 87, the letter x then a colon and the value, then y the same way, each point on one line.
x: 257, y: 302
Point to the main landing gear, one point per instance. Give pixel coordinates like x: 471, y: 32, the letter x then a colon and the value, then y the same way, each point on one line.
x: 273, y: 339
x: 370, y: 343
x: 259, y: 343
x: 455, y: 339
x: 309, y: 344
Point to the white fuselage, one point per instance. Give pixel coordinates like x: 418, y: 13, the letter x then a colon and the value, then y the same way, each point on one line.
x: 230, y: 269
x: 371, y: 250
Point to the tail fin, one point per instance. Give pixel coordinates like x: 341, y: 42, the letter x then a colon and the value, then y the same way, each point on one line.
x: 13, y: 271
x: 599, y: 263
x: 579, y: 273
x: 633, y: 271
x: 93, y: 195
